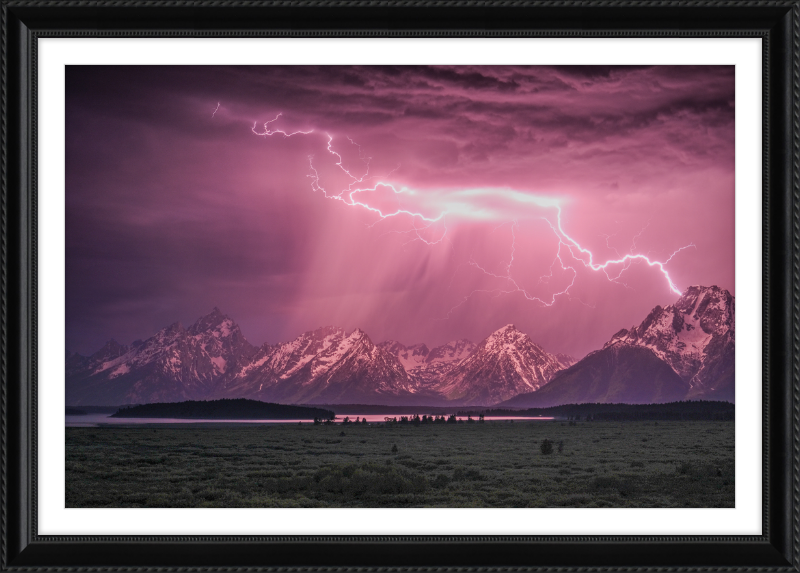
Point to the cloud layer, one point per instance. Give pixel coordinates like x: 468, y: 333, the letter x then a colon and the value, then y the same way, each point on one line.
x: 175, y: 205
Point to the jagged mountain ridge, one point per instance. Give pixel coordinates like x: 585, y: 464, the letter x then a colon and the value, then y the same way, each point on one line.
x: 683, y: 351
x: 211, y: 360
x: 695, y: 336
x: 565, y: 359
x: 426, y: 367
x: 503, y: 365
x: 325, y: 366
x: 618, y: 374
x: 174, y: 364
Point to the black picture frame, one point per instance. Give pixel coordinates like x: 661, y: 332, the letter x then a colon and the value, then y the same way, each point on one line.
x: 777, y: 23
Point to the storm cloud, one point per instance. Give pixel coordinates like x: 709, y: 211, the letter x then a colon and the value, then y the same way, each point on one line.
x: 175, y: 205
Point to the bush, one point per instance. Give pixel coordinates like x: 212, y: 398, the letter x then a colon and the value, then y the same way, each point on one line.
x: 546, y: 447
x: 394, y: 449
x: 463, y: 474
x: 441, y: 481
x: 624, y: 487
x: 366, y: 481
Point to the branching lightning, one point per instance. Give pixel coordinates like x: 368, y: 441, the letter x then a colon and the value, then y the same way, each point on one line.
x: 268, y: 131
x: 347, y: 195
x: 466, y: 203
x: 572, y: 244
x: 515, y: 287
x: 639, y: 234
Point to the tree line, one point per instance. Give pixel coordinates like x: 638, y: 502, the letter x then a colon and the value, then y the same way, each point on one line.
x: 683, y: 410
x: 415, y: 420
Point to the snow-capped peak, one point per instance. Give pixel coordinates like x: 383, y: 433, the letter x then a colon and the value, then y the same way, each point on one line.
x: 215, y: 322
x: 409, y: 356
x: 357, y: 334
x: 503, y: 365
x: 452, y: 352
x: 506, y: 335
x: 695, y: 335
x: 111, y: 349
x: 565, y: 359
x: 169, y: 332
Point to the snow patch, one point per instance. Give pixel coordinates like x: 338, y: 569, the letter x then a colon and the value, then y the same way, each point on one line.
x: 220, y: 363
x: 120, y: 370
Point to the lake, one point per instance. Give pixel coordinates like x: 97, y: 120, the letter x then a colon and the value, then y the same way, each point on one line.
x: 94, y: 420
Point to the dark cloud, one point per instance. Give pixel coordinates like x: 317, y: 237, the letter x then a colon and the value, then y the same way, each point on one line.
x: 174, y: 206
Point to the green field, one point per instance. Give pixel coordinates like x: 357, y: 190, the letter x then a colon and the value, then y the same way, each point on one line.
x: 601, y: 464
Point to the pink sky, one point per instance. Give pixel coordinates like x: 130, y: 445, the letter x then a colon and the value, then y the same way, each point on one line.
x: 175, y: 205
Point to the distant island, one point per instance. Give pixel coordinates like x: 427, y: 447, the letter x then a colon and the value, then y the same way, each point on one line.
x: 241, y: 409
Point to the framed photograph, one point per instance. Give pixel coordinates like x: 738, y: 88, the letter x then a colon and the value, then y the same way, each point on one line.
x: 365, y: 285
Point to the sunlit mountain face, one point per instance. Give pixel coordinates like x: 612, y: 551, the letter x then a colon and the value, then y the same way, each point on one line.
x: 422, y: 207
x: 683, y: 351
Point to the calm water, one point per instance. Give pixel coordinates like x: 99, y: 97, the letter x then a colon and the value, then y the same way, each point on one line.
x: 92, y: 420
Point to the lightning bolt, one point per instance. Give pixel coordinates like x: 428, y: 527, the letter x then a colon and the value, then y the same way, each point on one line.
x: 465, y: 203
x: 216, y: 109
x: 566, y: 241
x: 589, y: 262
x: 347, y: 195
x: 639, y: 234
x: 268, y: 131
x: 513, y: 284
x: 610, y: 248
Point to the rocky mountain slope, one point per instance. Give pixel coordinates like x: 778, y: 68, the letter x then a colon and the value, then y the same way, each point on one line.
x: 175, y: 364
x: 565, y: 359
x: 211, y: 360
x: 505, y: 364
x: 695, y: 336
x: 683, y: 351
x: 615, y: 375
x: 427, y: 367
x: 325, y: 366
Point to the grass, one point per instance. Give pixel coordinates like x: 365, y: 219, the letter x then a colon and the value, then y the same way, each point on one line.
x: 601, y: 464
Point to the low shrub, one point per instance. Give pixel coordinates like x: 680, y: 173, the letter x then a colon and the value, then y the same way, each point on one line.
x: 462, y: 474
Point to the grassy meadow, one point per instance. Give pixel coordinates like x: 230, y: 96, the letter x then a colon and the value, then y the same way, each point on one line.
x: 496, y: 464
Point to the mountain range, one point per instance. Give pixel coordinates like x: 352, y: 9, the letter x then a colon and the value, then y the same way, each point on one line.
x: 685, y: 350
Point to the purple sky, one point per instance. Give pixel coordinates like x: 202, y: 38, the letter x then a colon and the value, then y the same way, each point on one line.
x: 174, y: 208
